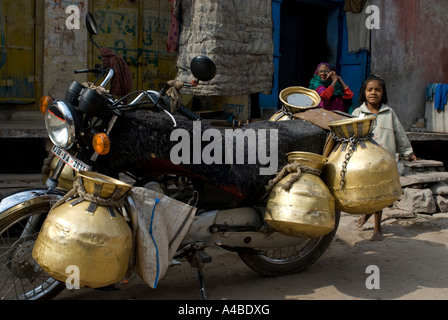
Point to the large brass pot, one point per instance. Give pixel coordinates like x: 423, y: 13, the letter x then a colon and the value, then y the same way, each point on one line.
x: 362, y: 176
x: 307, y: 208
x: 93, y: 237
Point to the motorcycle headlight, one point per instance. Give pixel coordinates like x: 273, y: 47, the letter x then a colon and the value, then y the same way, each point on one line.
x: 62, y: 122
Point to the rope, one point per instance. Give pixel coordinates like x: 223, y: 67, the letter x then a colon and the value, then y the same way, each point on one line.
x: 174, y: 93
x: 97, y: 89
x: 156, y: 280
x: 46, y: 164
x: 294, y: 167
x: 79, y: 191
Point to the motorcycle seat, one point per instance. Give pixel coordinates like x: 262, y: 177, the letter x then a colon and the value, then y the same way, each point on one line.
x: 142, y: 143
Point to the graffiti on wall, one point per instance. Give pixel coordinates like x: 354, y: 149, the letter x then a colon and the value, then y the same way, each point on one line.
x: 142, y: 46
x: 123, y: 26
x: 65, y: 49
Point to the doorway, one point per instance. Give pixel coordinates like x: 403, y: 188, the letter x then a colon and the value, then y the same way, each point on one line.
x: 303, y: 42
x: 314, y: 31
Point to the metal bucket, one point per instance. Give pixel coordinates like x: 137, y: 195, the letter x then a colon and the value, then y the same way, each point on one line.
x: 306, y: 208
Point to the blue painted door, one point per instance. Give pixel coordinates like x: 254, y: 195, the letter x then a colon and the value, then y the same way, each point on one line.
x: 354, y: 68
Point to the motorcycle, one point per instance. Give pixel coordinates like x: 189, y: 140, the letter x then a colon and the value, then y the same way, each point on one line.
x: 92, y: 132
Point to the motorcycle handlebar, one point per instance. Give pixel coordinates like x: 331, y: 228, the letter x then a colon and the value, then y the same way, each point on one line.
x: 156, y: 98
x: 96, y: 70
x: 189, y: 114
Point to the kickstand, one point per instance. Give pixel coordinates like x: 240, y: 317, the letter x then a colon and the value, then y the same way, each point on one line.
x: 197, y: 260
x: 202, y: 290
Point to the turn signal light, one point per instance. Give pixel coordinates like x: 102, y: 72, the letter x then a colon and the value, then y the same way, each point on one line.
x: 101, y: 143
x: 44, y: 102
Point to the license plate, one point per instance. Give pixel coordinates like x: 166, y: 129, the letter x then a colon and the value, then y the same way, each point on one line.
x: 70, y: 160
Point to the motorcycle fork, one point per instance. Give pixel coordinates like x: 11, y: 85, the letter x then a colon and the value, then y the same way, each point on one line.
x: 52, y: 182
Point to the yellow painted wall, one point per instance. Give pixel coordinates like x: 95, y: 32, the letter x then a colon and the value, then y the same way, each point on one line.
x: 17, y: 51
x: 38, y: 53
x: 137, y: 30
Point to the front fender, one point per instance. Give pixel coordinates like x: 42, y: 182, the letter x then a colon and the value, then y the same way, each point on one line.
x: 25, y: 202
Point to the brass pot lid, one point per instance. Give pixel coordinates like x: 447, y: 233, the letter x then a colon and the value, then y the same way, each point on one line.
x: 351, y: 120
x: 308, y: 159
x: 300, y: 98
x: 107, y: 186
x: 358, y: 127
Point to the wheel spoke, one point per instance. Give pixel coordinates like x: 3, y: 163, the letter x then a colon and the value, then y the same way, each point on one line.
x: 20, y: 276
x: 286, y: 254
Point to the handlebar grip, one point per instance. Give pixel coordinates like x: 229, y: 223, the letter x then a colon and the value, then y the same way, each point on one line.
x: 96, y: 70
x: 189, y: 114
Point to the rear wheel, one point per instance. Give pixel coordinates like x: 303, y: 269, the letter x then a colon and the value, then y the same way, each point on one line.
x: 288, y: 260
x: 21, y: 278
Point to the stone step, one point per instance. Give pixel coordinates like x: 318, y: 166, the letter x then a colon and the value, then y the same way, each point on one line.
x: 417, y: 179
x: 422, y: 166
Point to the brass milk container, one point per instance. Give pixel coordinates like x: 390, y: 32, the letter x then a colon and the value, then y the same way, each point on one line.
x: 91, y: 235
x: 300, y: 204
x: 362, y: 176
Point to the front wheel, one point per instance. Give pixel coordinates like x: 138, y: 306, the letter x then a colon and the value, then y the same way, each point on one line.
x: 288, y: 260
x: 21, y: 278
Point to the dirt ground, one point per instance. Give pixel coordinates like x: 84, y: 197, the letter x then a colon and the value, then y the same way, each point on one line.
x: 412, y: 264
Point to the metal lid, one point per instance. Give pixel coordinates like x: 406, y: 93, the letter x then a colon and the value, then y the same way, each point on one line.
x: 300, y: 98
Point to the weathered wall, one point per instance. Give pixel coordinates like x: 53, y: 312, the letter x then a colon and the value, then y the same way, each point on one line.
x: 237, y: 36
x: 64, y: 49
x: 136, y: 30
x: 409, y: 51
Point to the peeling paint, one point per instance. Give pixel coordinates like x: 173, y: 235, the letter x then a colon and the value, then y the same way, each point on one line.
x: 65, y: 50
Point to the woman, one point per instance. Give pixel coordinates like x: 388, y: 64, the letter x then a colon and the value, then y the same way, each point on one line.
x: 331, y: 88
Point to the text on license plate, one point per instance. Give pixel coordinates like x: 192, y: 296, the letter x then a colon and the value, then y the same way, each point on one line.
x: 76, y: 164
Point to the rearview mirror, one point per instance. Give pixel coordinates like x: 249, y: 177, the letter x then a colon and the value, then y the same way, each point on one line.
x: 91, y: 24
x: 92, y: 28
x: 203, y: 68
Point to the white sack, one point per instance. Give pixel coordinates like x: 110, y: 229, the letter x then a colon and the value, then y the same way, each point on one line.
x: 159, y: 225
x: 237, y: 36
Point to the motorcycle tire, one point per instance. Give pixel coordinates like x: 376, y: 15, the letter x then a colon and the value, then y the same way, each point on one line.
x: 21, y: 277
x: 297, y: 259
